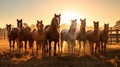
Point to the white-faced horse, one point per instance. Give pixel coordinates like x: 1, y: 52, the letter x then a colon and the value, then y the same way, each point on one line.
x: 69, y: 36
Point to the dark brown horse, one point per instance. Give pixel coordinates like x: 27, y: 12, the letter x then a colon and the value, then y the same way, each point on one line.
x: 12, y: 35
x: 81, y: 34
x: 104, y: 38
x: 53, y: 33
x: 39, y: 35
x: 93, y: 37
x: 24, y: 34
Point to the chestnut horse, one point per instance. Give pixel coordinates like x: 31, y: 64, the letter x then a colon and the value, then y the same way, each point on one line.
x: 24, y: 34
x: 104, y: 38
x: 52, y: 32
x: 39, y: 35
x: 93, y: 37
x: 69, y: 36
x: 81, y: 34
x: 12, y: 35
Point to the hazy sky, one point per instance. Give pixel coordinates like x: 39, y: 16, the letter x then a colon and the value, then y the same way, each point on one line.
x: 105, y: 11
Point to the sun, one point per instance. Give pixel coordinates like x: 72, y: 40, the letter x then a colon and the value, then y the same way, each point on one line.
x: 67, y: 16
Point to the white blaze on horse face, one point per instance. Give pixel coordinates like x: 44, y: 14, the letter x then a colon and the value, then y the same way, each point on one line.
x: 39, y: 26
x: 58, y: 22
x: 74, y: 25
x: 19, y: 24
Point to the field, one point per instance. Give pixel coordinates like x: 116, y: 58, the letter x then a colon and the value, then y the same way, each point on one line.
x: 111, y: 59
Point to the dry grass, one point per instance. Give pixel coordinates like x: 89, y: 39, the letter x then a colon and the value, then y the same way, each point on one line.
x: 111, y: 59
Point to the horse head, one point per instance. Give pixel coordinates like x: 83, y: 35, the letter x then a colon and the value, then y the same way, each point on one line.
x: 73, y: 25
x: 106, y: 27
x: 96, y: 26
x: 19, y: 24
x: 83, y: 23
x: 8, y: 27
x: 39, y: 25
x: 56, y: 21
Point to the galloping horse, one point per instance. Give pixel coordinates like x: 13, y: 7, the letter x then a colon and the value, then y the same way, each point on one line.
x: 93, y: 37
x: 81, y: 34
x: 52, y: 32
x: 104, y: 38
x: 39, y: 35
x: 24, y: 34
x: 12, y: 35
x: 69, y: 36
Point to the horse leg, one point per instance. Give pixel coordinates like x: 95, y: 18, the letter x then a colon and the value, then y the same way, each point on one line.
x: 102, y: 46
x: 13, y: 44
x: 72, y: 47
x: 68, y: 48
x: 92, y: 47
x: 10, y: 44
x: 96, y: 44
x: 105, y: 48
x: 61, y: 45
x: 49, y: 48
x: 79, y: 45
x: 55, y: 48
x: 37, y: 43
x: 84, y: 42
x: 25, y: 46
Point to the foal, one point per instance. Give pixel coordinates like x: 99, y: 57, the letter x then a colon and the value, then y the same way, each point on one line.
x: 81, y: 35
x: 104, y: 38
x: 93, y: 37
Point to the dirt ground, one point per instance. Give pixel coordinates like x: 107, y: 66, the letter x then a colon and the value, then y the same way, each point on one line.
x: 26, y: 59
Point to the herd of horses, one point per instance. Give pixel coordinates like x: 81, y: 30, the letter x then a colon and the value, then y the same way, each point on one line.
x: 45, y: 35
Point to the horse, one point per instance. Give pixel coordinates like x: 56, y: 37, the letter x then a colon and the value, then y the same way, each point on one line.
x: 24, y: 34
x: 69, y: 35
x: 104, y: 38
x: 39, y: 35
x: 12, y: 35
x: 93, y: 36
x: 52, y: 32
x: 81, y: 34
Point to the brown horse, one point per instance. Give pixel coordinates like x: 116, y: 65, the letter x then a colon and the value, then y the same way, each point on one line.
x: 39, y: 35
x: 52, y: 32
x: 12, y: 35
x: 93, y: 37
x: 24, y: 34
x: 104, y: 38
x: 81, y: 34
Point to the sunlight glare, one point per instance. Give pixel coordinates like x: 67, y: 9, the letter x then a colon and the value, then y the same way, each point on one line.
x: 70, y: 15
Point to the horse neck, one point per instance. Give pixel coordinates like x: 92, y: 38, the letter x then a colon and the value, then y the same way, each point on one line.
x: 82, y: 30
x: 72, y: 31
x: 105, y: 32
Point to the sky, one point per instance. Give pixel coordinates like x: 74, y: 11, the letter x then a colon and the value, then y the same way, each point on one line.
x: 104, y: 11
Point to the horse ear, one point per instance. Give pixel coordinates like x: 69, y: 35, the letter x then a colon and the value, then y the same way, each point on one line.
x: 41, y: 20
x: 59, y: 14
x: 37, y: 21
x: 98, y: 21
x: 55, y: 14
x: 85, y: 19
x: 6, y: 24
x: 80, y: 19
x: 17, y: 20
x: 21, y: 20
x: 75, y: 20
